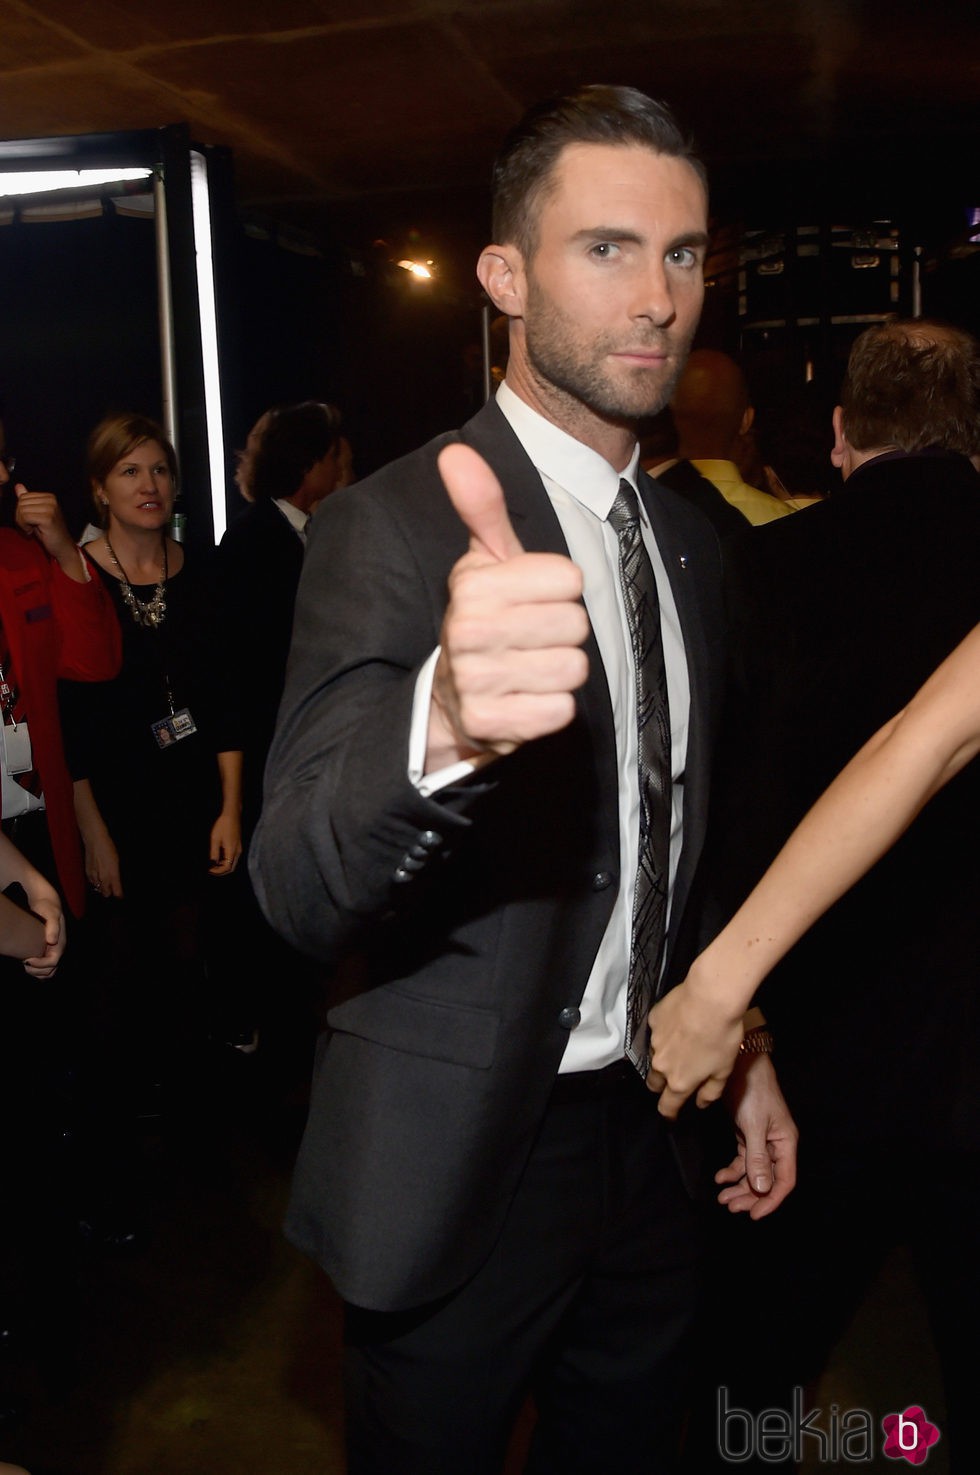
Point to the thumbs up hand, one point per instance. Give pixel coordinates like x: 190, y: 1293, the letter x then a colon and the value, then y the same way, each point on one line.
x: 512, y: 634
x: 39, y: 516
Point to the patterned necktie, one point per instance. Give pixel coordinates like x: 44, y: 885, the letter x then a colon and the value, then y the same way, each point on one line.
x: 653, y: 766
x: 12, y: 712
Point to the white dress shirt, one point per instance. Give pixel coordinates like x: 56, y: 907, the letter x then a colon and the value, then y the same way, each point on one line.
x: 582, y: 487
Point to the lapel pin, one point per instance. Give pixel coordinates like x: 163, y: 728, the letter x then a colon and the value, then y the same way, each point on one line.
x: 682, y: 560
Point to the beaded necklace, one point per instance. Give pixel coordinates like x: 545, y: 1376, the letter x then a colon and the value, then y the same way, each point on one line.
x: 149, y: 612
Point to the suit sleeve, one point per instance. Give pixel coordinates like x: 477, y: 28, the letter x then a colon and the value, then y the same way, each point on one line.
x: 345, y: 840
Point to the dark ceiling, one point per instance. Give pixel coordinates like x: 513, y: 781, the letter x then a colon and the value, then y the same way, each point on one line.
x: 364, y: 119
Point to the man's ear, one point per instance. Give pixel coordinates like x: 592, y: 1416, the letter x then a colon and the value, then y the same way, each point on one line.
x: 748, y: 419
x: 500, y: 271
x: 839, y: 451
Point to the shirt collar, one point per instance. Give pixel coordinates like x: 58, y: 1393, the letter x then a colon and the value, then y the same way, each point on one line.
x: 297, y: 520
x: 563, y: 460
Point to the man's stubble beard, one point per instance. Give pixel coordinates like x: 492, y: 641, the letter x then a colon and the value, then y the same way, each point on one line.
x: 561, y: 362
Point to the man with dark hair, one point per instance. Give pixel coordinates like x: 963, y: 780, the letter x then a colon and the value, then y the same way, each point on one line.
x: 290, y: 465
x: 840, y: 613
x: 712, y: 411
x: 525, y: 168
x: 487, y: 795
x: 295, y: 459
x: 291, y: 462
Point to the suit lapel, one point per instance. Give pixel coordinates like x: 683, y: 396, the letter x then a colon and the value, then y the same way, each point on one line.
x: 539, y: 530
x: 536, y: 524
x: 528, y: 504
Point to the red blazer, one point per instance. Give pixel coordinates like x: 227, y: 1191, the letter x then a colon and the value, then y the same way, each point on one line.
x: 56, y: 628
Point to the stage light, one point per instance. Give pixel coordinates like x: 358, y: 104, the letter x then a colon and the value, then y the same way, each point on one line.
x: 36, y: 182
x: 420, y: 270
x: 201, y: 209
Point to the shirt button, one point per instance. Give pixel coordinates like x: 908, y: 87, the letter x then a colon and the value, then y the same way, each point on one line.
x: 601, y: 880
x: 569, y: 1017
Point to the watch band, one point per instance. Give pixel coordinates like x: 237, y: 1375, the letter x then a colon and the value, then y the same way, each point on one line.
x: 757, y: 1041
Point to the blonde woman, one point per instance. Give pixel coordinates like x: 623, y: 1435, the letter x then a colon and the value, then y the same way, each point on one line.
x: 156, y: 758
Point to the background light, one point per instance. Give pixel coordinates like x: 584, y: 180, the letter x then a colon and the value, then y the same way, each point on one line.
x: 35, y: 183
x: 201, y: 209
x: 417, y: 269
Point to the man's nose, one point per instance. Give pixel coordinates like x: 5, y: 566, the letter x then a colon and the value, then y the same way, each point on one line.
x: 654, y: 298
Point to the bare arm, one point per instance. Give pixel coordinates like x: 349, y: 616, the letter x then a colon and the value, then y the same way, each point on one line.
x: 226, y: 832
x: 697, y: 1028
x: 36, y: 936
x: 21, y: 933
x: 101, y: 856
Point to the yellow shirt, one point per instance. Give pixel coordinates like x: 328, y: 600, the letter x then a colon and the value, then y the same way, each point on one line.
x: 757, y: 507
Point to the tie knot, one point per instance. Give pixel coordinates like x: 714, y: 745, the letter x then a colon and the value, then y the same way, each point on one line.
x: 625, y: 511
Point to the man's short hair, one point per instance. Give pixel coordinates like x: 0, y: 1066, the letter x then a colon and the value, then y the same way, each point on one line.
x: 913, y: 383
x: 524, y: 171
x: 295, y: 438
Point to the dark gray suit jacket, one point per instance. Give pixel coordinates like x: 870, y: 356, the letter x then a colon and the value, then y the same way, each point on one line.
x: 472, y: 918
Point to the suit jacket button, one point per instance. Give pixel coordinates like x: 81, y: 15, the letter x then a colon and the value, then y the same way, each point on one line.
x: 601, y: 880
x: 569, y: 1017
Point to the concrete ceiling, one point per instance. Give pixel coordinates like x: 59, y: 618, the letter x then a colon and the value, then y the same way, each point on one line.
x: 356, y: 118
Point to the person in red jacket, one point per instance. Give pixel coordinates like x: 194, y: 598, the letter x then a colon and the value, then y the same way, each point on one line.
x: 56, y: 621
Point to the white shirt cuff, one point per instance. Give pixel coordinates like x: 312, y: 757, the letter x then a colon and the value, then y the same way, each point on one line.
x: 429, y: 783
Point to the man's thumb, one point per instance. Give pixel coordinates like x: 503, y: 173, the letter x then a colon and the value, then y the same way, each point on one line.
x: 478, y: 497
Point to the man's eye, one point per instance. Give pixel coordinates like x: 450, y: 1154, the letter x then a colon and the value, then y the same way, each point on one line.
x: 604, y: 250
x: 682, y: 256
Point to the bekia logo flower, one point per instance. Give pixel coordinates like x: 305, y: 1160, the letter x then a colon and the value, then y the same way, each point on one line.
x: 909, y: 1436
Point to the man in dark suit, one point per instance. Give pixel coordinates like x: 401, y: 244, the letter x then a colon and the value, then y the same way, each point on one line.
x: 840, y: 613
x: 452, y: 802
x: 291, y: 463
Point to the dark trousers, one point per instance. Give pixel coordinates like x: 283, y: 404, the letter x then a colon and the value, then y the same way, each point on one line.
x: 586, y: 1302
x: 803, y: 1274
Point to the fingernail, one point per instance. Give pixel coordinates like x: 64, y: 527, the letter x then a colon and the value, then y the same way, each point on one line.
x: 760, y: 1183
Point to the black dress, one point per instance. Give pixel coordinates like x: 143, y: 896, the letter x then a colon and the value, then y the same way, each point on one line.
x: 148, y: 999
x: 159, y: 802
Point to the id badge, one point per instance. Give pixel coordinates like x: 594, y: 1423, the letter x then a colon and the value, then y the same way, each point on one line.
x: 17, y: 748
x: 173, y: 729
